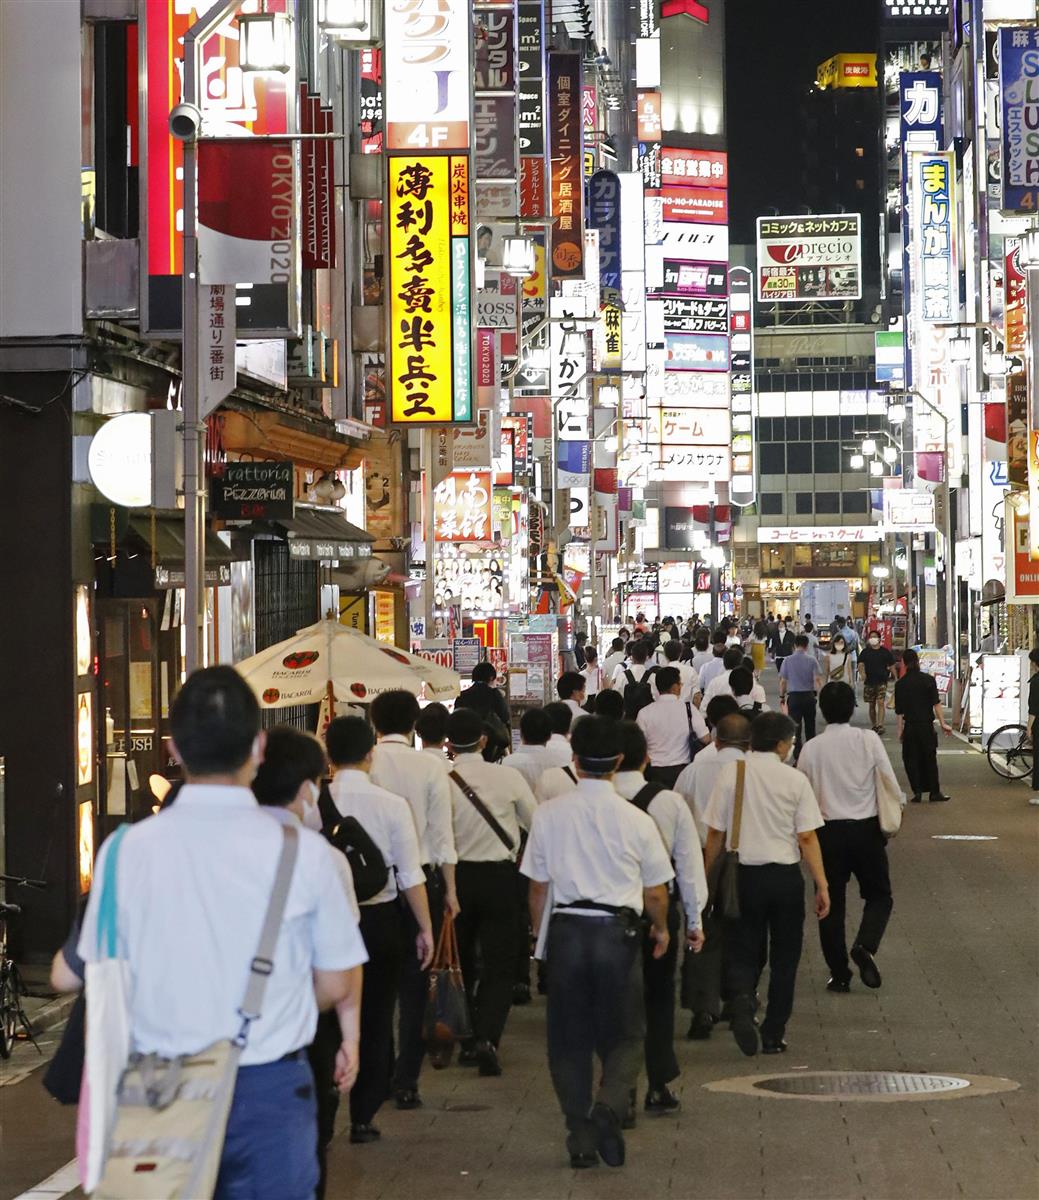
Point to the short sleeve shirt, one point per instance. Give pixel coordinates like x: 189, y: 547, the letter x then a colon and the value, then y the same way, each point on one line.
x: 877, y: 661
x: 916, y: 694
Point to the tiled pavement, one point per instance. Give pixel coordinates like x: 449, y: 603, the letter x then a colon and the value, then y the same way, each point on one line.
x: 960, y: 996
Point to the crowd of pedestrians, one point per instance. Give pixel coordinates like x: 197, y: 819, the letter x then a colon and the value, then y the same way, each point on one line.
x: 588, y: 845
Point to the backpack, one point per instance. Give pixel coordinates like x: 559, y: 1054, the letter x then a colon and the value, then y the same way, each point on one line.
x: 367, y: 864
x: 637, y: 693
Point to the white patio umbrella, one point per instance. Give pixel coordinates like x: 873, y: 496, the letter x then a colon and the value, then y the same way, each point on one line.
x: 329, y: 657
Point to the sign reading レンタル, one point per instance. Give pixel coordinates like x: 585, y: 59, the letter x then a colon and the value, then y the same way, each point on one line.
x: 429, y: 82
x: 810, y: 258
x: 430, y: 379
x: 566, y: 182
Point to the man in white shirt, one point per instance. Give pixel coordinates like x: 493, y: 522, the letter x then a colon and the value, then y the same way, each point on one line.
x: 431, y: 729
x: 570, y: 687
x: 615, y: 657
x: 189, y: 948
x: 702, y: 652
x: 690, y: 693
x: 702, y: 974
x: 560, y: 717
x: 632, y: 671
x: 776, y: 830
x: 718, y: 685
x: 490, y: 804
x: 716, y: 664
x: 669, y: 726
x: 671, y: 816
x: 387, y: 820
x: 595, y: 678
x: 605, y: 863
x: 750, y: 696
x: 533, y: 759
x: 843, y: 766
x: 422, y: 781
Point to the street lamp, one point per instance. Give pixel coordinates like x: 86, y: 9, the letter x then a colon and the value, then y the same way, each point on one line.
x: 518, y: 256
x: 880, y: 572
x: 265, y: 42
x: 713, y: 556
x: 869, y: 446
x: 876, y: 467
x: 355, y: 23
x: 857, y: 462
x: 890, y: 454
x: 896, y: 414
x: 1029, y: 253
x: 960, y: 345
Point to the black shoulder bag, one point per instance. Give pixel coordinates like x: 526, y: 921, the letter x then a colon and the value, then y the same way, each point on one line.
x: 483, y: 810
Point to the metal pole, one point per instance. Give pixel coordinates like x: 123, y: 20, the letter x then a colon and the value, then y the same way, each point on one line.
x: 714, y: 570
x: 430, y: 527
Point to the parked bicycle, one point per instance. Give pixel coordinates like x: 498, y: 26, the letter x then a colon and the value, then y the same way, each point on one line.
x: 1009, y: 752
x: 14, y: 1020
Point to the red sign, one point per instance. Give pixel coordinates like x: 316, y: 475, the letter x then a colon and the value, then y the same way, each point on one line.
x: 705, y: 168
x: 685, y: 8
x: 708, y: 206
x: 317, y: 185
x: 1015, y: 300
x: 462, y: 507
x: 567, y: 183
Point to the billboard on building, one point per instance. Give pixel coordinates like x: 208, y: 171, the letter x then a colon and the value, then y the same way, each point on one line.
x: 1019, y: 110
x: 847, y: 71
x: 566, y: 184
x: 742, y: 404
x: 429, y: 79
x: 810, y: 258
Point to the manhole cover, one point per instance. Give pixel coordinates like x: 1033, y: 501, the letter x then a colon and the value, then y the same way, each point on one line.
x: 841, y: 1086
x: 861, y: 1083
x: 466, y: 1107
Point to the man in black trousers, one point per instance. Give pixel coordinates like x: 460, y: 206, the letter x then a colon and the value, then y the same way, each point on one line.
x: 917, y: 706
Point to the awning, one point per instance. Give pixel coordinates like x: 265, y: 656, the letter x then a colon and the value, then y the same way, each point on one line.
x: 168, y: 546
x: 316, y: 534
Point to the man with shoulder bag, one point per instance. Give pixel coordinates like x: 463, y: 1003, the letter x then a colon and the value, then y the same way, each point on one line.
x: 236, y: 965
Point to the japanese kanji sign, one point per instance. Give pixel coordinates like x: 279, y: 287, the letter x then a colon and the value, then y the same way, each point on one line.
x: 810, y: 258
x: 694, y: 168
x: 462, y: 507
x: 1019, y: 101
x: 430, y: 330
x: 604, y: 214
x: 216, y: 347
x: 429, y: 81
x: 566, y: 183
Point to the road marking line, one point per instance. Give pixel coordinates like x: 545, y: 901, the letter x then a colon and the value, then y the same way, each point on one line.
x: 61, y: 1183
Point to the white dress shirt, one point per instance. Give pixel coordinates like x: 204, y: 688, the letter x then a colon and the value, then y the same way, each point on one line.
x: 720, y: 686
x: 666, y: 724
x: 554, y: 782
x: 531, y: 762
x: 436, y: 753
x: 387, y: 820
x: 612, y: 661
x: 620, y: 674
x: 592, y: 845
x: 689, y: 678
x: 194, y: 882
x: 593, y: 677
x: 696, y: 783
x: 841, y: 764
x: 670, y: 814
x: 407, y: 772
x: 575, y: 709
x: 700, y: 660
x: 504, y: 793
x: 285, y: 816
x: 709, y: 671
x: 778, y: 804
x: 558, y: 752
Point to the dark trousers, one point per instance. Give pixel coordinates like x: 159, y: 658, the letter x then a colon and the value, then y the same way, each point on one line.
x: 382, y: 930
x: 658, y: 976
x: 772, y: 905
x: 269, y: 1149
x: 524, y: 933
x: 702, y: 973
x: 488, y: 899
x: 801, y: 708
x: 322, y: 1053
x: 854, y: 848
x: 595, y: 1008
x: 920, y: 756
x: 414, y: 987
x: 668, y: 776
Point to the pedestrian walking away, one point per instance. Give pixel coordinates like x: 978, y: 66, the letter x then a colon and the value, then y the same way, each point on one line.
x: 673, y: 730
x: 844, y: 767
x: 917, y: 706
x: 877, y: 669
x: 420, y: 777
x: 1033, y: 712
x: 776, y: 829
x: 799, y: 682
x: 672, y: 817
x: 490, y: 805
x: 606, y: 863
x: 188, y: 949
x: 387, y: 820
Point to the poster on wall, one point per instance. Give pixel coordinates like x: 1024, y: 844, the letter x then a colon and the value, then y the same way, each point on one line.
x: 810, y: 258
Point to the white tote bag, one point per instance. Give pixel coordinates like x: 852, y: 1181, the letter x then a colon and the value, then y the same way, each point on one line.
x: 107, y: 1031
x: 890, y: 802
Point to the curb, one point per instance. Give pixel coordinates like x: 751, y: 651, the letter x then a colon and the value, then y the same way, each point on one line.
x: 52, y: 1013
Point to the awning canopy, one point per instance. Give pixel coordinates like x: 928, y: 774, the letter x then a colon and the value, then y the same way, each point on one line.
x: 316, y: 534
x: 165, y: 536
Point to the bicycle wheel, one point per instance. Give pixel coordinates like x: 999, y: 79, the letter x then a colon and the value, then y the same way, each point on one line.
x: 8, y: 1012
x: 1008, y: 753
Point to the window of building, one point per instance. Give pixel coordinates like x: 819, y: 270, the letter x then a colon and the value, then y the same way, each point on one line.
x: 827, y: 458
x: 771, y: 459
x: 803, y: 503
x: 827, y: 502
x: 799, y: 458
x: 854, y: 502
x: 770, y: 504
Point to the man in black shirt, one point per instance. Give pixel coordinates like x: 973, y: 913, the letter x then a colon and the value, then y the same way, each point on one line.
x: 876, y: 667
x: 483, y: 697
x: 917, y: 706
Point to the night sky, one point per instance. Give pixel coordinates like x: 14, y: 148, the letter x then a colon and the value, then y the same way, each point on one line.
x: 773, y: 48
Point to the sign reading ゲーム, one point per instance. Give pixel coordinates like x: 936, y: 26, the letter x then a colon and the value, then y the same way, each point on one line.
x: 430, y: 377
x: 810, y: 258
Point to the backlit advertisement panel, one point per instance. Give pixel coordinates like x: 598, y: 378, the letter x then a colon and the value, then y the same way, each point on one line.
x: 810, y: 258
x: 1019, y: 108
x: 566, y: 184
x: 428, y: 78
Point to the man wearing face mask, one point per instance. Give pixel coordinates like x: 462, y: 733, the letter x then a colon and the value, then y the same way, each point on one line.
x: 388, y: 822
x: 876, y: 669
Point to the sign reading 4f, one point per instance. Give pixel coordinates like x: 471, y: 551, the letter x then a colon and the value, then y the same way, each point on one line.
x: 428, y: 92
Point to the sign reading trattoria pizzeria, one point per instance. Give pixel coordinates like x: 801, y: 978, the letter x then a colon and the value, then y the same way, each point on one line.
x: 810, y: 258
x: 251, y: 491
x: 429, y: 377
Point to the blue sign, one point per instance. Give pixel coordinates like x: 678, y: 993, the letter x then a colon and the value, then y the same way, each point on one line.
x: 604, y: 214
x: 1019, y: 106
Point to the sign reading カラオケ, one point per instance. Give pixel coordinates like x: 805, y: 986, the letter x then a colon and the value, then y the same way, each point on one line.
x: 810, y: 258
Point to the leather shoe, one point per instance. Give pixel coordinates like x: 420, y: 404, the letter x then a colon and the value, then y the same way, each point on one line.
x: 407, y: 1099
x: 700, y: 1027
x: 938, y: 797
x: 580, y: 1162
x: 467, y: 1055
x: 745, y: 1032
x: 521, y: 993
x: 915, y: 799
x: 773, y: 1046
x: 662, y: 1100
x: 868, y: 972
x: 609, y: 1140
x: 834, y: 984
x: 487, y: 1059
x: 630, y: 1117
x: 364, y: 1133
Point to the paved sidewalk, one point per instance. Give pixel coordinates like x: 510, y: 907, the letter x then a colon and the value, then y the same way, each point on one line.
x: 960, y: 965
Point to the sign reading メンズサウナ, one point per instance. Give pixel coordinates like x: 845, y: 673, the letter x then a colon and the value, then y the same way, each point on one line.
x: 429, y: 376
x: 810, y: 258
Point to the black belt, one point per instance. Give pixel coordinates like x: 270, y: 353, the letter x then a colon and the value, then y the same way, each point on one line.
x: 293, y: 1056
x: 811, y: 693
x: 607, y: 911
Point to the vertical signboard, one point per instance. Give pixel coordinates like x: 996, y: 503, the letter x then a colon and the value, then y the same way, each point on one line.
x: 494, y: 107
x: 569, y: 383
x: 428, y: 97
x: 1019, y: 110
x: 531, y: 103
x: 429, y: 339
x: 566, y: 182
x: 743, y: 489
x: 604, y: 214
